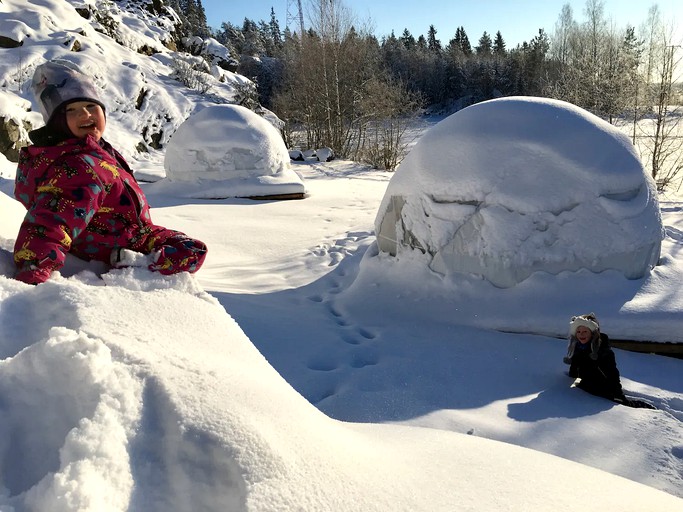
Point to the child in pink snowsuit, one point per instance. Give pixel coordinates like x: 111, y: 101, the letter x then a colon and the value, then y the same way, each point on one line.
x: 79, y: 192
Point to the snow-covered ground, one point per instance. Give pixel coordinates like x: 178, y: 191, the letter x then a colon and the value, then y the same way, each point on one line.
x: 302, y: 369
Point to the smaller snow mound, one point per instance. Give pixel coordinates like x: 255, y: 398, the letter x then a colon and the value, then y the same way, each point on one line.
x: 512, y: 186
x: 228, y: 151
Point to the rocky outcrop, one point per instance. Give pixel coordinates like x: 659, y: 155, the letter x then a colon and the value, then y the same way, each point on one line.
x: 13, y: 137
x: 8, y: 42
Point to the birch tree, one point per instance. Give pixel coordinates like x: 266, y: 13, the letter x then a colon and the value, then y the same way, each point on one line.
x: 661, y: 137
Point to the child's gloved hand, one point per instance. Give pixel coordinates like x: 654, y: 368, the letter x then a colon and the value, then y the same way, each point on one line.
x: 122, y: 258
x: 33, y: 275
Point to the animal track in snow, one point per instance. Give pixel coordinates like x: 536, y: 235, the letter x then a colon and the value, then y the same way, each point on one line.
x: 351, y: 339
x: 341, y: 248
x: 361, y: 361
x: 334, y: 311
x: 322, y: 395
x: 341, y: 322
x: 366, y: 334
x: 322, y: 365
x: 674, y: 233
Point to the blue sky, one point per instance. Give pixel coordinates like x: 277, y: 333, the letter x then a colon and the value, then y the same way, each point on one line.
x: 517, y: 21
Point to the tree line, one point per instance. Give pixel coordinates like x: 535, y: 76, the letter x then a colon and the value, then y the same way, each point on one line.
x: 338, y: 85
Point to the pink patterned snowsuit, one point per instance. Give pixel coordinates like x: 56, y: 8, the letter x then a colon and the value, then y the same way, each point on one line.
x: 82, y: 199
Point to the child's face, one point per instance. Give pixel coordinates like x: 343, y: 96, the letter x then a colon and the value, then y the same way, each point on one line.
x: 85, y: 118
x: 583, y: 334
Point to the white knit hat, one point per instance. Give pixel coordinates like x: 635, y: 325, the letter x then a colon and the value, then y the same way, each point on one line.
x: 589, y: 321
x: 58, y: 82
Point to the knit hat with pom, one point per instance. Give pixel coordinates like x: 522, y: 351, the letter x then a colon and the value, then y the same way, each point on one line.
x: 591, y: 322
x: 56, y: 83
x: 588, y: 320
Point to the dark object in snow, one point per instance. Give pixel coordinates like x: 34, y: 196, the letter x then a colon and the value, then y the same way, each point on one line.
x: 661, y: 348
x: 8, y: 42
x: 636, y: 403
x: 278, y: 197
x: 296, y: 155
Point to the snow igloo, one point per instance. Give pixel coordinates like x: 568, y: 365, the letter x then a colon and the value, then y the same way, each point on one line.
x: 513, y: 186
x: 229, y: 151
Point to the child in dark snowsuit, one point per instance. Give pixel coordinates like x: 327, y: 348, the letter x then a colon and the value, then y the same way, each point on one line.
x: 592, y: 360
x: 80, y: 194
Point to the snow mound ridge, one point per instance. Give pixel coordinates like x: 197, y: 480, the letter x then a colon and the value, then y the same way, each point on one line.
x: 68, y: 411
x: 128, y: 405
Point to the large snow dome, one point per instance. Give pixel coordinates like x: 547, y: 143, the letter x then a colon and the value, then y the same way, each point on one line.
x: 229, y: 151
x: 516, y: 185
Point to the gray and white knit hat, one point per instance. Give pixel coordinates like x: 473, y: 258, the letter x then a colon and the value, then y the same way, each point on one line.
x: 588, y: 320
x: 58, y: 82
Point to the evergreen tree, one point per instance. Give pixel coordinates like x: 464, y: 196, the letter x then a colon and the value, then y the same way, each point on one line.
x: 274, y: 31
x: 231, y: 36
x: 421, y: 43
x: 408, y: 40
x: 192, y: 18
x: 253, y: 44
x: 463, y: 42
x: 499, y: 45
x: 183, y: 29
x: 202, y: 27
x: 401, y: 60
x: 535, y: 62
x: 264, y: 35
x: 453, y: 48
x: 485, y: 46
x: 392, y: 51
x: 433, y: 44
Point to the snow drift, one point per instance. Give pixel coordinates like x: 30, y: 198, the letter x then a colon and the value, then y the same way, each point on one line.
x: 106, y: 407
x: 512, y: 186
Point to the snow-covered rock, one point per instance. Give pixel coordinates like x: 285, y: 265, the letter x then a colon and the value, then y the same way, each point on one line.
x: 296, y: 155
x: 229, y: 151
x: 324, y: 154
x: 512, y: 186
x: 213, y: 51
